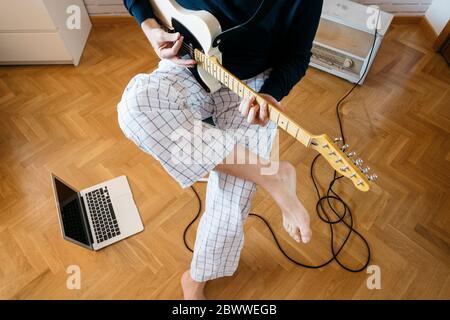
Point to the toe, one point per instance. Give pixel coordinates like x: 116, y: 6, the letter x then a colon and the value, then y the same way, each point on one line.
x: 285, y: 225
x: 306, y: 235
x: 297, y: 235
x: 293, y: 232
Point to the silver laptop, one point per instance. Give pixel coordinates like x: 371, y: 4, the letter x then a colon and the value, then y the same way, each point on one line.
x: 98, y: 216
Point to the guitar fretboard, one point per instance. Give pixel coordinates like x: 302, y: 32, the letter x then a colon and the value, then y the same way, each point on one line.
x: 214, y: 68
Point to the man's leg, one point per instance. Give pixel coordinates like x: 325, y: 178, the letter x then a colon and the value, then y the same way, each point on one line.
x: 220, y: 234
x: 281, y: 186
x: 156, y: 105
x: 230, y: 190
x: 160, y: 112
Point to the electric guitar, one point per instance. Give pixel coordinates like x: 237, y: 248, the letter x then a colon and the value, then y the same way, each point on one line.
x: 199, y: 29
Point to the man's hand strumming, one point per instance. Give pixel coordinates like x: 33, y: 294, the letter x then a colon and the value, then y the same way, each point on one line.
x: 166, y: 45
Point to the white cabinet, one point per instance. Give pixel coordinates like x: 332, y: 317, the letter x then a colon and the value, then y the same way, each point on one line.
x: 36, y: 31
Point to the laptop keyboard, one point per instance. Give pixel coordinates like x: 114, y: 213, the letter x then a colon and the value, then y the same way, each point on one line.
x: 102, y: 214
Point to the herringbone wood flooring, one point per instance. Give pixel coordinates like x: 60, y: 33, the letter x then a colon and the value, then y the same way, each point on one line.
x: 62, y: 119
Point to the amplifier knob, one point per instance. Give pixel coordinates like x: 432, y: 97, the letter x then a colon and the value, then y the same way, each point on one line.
x: 348, y: 63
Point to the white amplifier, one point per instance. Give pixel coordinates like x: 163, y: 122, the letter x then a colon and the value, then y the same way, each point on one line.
x: 345, y: 37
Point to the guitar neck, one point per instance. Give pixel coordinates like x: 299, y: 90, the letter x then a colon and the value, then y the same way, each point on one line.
x: 214, y: 68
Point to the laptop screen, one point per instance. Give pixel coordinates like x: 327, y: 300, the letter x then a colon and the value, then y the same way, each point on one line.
x: 71, y: 213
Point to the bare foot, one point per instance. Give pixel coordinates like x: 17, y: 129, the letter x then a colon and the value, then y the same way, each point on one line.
x: 295, y: 217
x: 192, y: 290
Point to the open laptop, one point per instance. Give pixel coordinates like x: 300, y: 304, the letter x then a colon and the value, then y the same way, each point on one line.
x: 98, y: 216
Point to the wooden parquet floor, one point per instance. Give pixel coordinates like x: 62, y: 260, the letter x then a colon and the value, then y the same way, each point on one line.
x: 63, y: 119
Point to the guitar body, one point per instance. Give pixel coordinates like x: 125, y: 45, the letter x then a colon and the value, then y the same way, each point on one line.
x: 199, y: 29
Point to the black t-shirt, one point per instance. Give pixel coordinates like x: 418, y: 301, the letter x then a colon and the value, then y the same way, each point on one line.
x: 282, y: 40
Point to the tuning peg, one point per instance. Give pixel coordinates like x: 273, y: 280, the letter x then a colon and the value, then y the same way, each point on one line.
x: 351, y: 154
x: 373, y: 177
x: 345, y: 168
x: 344, y: 147
x: 365, y: 170
x: 359, y: 162
x: 336, y: 140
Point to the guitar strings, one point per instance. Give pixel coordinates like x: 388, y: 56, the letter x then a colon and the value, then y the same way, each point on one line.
x: 329, y: 197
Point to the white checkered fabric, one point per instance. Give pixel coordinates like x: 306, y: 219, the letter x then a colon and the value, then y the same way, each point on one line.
x: 156, y: 105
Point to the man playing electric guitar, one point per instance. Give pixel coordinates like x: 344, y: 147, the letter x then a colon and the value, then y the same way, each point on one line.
x: 273, y: 56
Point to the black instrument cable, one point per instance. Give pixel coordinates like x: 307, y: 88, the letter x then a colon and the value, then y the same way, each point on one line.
x: 329, y: 197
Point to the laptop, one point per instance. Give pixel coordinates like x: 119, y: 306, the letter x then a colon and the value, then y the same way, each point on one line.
x: 98, y: 216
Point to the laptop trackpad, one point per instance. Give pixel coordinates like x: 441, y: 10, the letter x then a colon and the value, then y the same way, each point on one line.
x: 127, y: 215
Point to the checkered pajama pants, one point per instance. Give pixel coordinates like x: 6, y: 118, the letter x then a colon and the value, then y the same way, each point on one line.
x: 162, y: 114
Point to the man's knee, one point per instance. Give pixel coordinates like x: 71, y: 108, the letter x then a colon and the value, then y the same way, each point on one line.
x: 140, y: 94
x: 139, y: 98
x: 238, y: 194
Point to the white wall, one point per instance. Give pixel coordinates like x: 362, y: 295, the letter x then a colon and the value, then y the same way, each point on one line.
x: 399, y: 7
x: 438, y: 14
x: 105, y: 7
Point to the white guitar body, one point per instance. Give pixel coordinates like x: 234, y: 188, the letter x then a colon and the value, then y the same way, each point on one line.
x: 199, y: 29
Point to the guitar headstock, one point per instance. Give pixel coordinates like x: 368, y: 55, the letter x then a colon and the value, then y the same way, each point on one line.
x: 344, y: 162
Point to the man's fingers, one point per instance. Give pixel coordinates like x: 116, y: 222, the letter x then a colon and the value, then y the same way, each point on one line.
x: 253, y: 115
x: 246, y: 105
x: 171, y: 52
x: 241, y: 105
x: 169, y: 37
x: 165, y: 52
x: 167, y: 45
x: 188, y: 63
x: 264, y: 113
